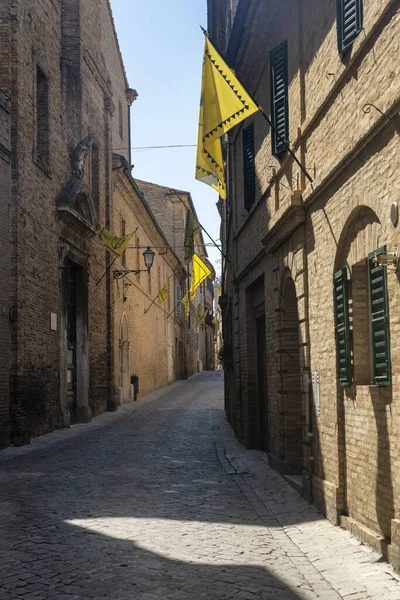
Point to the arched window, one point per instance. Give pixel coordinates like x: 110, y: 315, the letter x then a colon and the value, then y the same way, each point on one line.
x: 361, y: 303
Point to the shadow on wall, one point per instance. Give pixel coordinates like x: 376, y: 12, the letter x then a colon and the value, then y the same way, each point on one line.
x: 384, y: 481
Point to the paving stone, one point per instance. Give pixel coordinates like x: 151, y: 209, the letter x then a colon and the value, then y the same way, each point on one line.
x: 160, y: 501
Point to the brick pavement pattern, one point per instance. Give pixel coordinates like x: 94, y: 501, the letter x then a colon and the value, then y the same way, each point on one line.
x: 160, y: 501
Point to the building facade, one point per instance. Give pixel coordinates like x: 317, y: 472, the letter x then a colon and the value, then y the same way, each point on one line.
x: 148, y: 334
x: 69, y: 109
x: 5, y: 201
x: 170, y: 208
x: 311, y: 326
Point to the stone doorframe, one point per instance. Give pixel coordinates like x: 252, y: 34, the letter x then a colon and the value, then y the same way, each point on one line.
x: 78, y: 224
x: 83, y: 410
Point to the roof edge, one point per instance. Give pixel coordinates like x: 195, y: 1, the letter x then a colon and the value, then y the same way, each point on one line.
x: 117, y: 41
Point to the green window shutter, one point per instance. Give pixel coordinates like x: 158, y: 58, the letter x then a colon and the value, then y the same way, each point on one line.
x: 249, y: 172
x: 278, y: 60
x: 379, y: 317
x: 349, y: 22
x: 342, y: 327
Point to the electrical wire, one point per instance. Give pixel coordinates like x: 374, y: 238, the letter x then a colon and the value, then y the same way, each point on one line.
x: 140, y: 148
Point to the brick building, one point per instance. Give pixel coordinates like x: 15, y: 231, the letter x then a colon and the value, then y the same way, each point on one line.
x: 69, y: 109
x: 311, y: 320
x: 148, y: 335
x: 5, y: 199
x: 170, y: 207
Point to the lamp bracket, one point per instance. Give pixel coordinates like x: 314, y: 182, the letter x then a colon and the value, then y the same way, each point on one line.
x: 391, y: 258
x: 117, y: 274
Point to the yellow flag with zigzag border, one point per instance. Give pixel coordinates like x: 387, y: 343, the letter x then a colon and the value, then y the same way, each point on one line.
x: 224, y: 104
x: 200, y: 272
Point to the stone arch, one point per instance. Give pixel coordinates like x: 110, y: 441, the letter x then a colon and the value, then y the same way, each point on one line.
x: 75, y: 206
x: 125, y: 390
x: 359, y: 236
x: 291, y: 376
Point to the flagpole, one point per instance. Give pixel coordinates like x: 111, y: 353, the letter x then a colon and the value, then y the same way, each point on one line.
x: 147, y: 309
x: 292, y: 154
x: 281, y: 139
x: 215, y: 243
x: 174, y: 309
x: 201, y: 226
x: 106, y: 271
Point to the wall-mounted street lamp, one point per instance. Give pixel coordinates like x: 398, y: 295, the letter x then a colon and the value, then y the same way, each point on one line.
x: 391, y: 258
x: 148, y: 256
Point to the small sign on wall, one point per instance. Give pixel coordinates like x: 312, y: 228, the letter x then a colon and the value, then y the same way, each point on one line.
x: 316, y: 392
x: 53, y: 321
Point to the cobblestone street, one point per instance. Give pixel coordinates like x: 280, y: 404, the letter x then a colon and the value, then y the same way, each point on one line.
x: 160, y: 501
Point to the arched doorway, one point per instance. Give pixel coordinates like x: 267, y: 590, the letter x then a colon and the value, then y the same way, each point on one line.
x: 291, y: 380
x: 125, y: 389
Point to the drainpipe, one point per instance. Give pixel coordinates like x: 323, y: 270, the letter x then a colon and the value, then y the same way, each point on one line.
x: 131, y: 96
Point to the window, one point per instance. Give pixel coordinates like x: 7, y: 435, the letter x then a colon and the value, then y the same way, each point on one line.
x: 249, y: 174
x: 278, y: 60
x: 361, y: 309
x: 123, y: 233
x: 178, y: 298
x: 359, y: 318
x: 42, y: 118
x: 342, y: 327
x: 349, y: 23
x: 379, y: 320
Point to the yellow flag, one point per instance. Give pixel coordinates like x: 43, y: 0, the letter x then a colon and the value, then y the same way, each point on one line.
x: 219, y: 290
x: 200, y: 272
x: 224, y: 104
x: 186, y: 303
x: 163, y: 294
x: 200, y: 315
x: 115, y: 244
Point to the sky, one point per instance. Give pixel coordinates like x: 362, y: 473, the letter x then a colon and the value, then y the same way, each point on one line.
x: 162, y: 48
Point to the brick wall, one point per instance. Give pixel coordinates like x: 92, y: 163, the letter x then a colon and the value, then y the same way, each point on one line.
x: 5, y: 197
x: 170, y: 209
x: 151, y: 335
x: 348, y: 450
x: 79, y: 41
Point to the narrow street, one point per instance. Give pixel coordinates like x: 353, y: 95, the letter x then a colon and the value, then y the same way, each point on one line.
x: 158, y: 501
